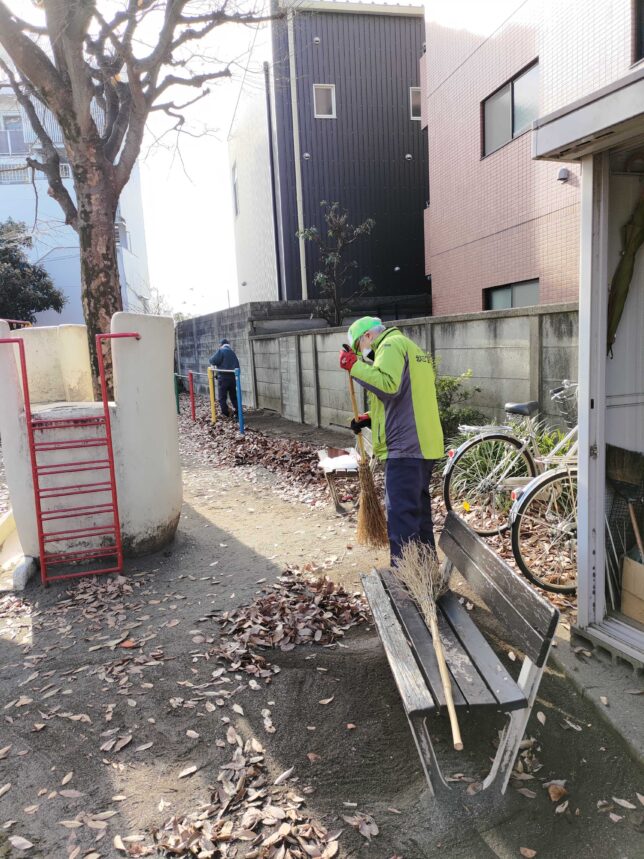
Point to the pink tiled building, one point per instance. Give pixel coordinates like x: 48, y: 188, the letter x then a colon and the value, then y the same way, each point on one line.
x: 501, y: 229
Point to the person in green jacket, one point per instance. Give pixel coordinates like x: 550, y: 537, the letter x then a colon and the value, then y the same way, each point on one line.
x: 404, y: 420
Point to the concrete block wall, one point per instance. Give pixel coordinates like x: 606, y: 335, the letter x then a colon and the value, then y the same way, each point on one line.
x: 514, y: 355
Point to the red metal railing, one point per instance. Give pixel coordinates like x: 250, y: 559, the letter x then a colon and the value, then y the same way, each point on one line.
x: 40, y: 470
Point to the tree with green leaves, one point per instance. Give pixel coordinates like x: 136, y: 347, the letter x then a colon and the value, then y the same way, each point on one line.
x: 335, y: 280
x: 25, y: 288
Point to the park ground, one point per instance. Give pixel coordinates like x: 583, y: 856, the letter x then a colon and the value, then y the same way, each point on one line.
x: 117, y: 713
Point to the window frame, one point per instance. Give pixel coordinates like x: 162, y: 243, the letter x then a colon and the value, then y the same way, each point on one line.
x: 638, y: 31
x: 510, y: 82
x: 413, y: 89
x: 235, y: 189
x: 334, y: 113
x: 13, y: 114
x: 488, y: 290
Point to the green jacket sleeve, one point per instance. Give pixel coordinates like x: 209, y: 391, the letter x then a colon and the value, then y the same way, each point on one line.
x: 385, y: 374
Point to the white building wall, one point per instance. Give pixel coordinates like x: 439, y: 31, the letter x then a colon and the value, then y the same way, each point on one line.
x: 248, y: 149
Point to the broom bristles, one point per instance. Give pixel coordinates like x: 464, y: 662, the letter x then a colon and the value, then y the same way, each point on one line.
x: 419, y: 570
x: 372, y: 524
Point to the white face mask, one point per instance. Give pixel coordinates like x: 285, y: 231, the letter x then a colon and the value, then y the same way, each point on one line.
x: 367, y: 353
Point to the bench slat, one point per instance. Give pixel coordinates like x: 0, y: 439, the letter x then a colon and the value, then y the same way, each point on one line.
x: 516, y: 629
x: 417, y: 633
x: 502, y: 686
x: 467, y: 665
x: 409, y: 680
x: 536, y: 611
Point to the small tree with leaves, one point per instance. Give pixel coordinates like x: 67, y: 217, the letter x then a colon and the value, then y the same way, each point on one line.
x: 25, y: 288
x: 337, y: 271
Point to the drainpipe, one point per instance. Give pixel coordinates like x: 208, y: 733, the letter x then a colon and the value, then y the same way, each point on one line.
x: 271, y: 164
x: 296, y: 147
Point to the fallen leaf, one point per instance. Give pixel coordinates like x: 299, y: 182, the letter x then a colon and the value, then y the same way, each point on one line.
x: 128, y: 643
x: 68, y: 777
x: 123, y: 742
x: 556, y: 792
x: 188, y: 771
x: 640, y: 797
x: 5, y: 788
x: 541, y: 717
x: 527, y: 852
x: 118, y: 843
x: 572, y: 725
x: 562, y: 807
x: 4, y: 752
x: 624, y: 803
x: 71, y: 794
x: 192, y: 734
x: 238, y: 709
x: 283, y: 776
x: 326, y: 701
x: 525, y: 791
x: 20, y: 843
x: 603, y: 700
x: 350, y: 726
x: 615, y: 817
x: 313, y: 757
x: 70, y: 824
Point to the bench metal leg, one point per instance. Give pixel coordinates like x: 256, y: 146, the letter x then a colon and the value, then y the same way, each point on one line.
x: 514, y: 730
x: 433, y: 774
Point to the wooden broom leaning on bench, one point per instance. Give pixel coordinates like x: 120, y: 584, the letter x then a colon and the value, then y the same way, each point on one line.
x: 419, y: 571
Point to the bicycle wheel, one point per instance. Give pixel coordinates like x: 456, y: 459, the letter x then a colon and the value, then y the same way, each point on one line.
x: 544, y: 531
x: 480, y: 478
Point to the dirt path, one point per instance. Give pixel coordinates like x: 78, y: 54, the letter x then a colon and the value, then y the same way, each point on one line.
x: 86, y: 666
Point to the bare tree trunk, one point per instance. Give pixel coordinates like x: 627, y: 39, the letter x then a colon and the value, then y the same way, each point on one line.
x: 100, y: 284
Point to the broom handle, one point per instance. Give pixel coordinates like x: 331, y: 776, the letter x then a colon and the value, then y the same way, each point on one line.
x: 447, y: 685
x: 356, y: 413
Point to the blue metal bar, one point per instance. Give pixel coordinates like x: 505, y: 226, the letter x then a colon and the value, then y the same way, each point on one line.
x: 240, y: 410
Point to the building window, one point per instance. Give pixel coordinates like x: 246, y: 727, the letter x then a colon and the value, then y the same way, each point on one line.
x: 235, y: 191
x: 522, y: 294
x: 639, y: 30
x: 12, y: 140
x: 414, y: 102
x: 65, y: 171
x: 509, y: 111
x: 324, y: 101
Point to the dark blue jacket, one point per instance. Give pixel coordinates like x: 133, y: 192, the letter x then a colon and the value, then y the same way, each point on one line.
x: 224, y: 359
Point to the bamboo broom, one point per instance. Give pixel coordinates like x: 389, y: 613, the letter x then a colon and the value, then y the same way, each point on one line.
x: 423, y: 577
x: 372, y: 525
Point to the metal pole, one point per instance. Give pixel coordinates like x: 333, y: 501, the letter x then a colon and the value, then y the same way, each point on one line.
x: 176, y: 392
x: 211, y: 389
x: 191, y: 386
x: 240, y: 410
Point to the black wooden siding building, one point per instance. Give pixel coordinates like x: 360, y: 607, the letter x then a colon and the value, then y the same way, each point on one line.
x: 360, y: 158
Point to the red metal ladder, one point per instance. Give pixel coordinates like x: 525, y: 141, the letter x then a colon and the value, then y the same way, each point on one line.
x: 109, y: 550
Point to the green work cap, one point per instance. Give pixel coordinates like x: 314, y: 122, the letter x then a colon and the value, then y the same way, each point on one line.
x: 360, y: 327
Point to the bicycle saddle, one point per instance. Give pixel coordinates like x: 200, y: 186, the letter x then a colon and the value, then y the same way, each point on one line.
x: 524, y: 409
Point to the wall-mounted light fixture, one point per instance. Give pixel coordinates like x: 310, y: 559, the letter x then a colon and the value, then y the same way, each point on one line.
x: 409, y: 157
x: 306, y: 156
x: 563, y: 175
x: 316, y: 40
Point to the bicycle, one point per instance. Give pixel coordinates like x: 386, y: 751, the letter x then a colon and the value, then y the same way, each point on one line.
x: 499, y: 480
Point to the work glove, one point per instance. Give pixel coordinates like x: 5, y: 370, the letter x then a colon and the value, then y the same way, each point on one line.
x: 359, y: 423
x: 347, y: 359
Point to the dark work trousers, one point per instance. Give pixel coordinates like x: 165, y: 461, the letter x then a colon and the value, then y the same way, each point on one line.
x: 408, y: 502
x: 226, y: 387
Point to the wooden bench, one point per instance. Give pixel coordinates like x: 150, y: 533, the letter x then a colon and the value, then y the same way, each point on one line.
x: 479, y: 679
x: 333, y: 475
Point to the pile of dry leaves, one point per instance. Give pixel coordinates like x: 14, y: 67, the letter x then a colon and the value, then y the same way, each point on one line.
x: 246, y: 813
x: 296, y: 610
